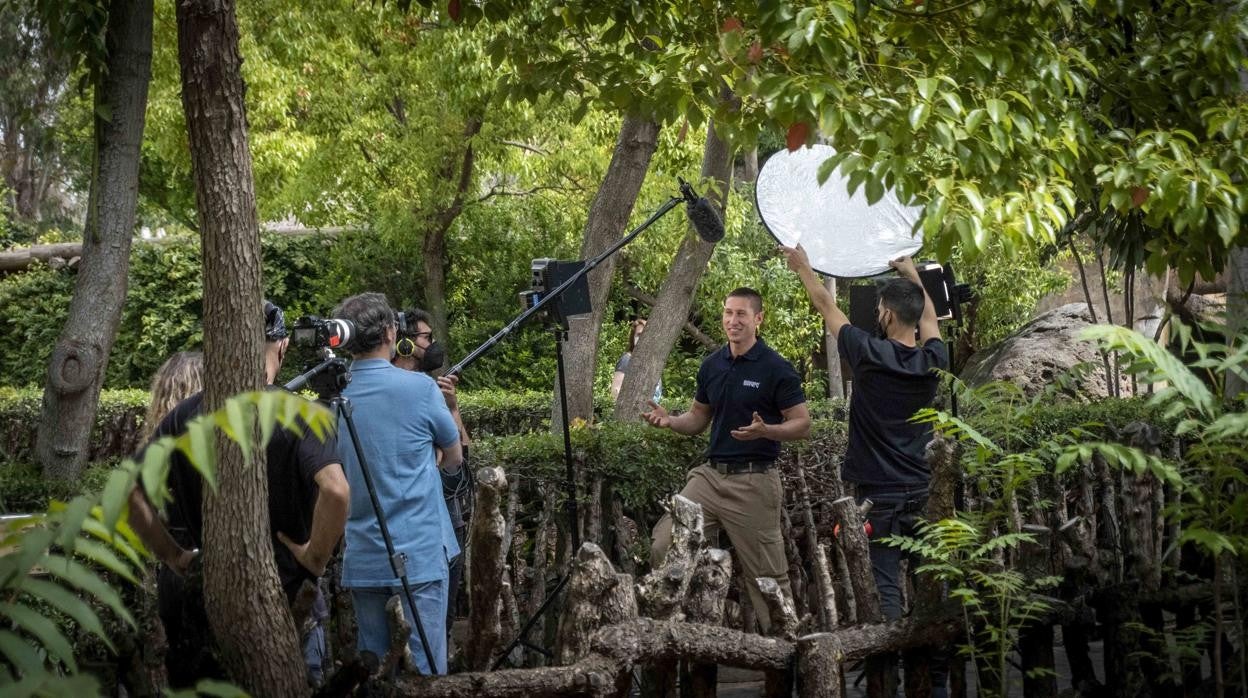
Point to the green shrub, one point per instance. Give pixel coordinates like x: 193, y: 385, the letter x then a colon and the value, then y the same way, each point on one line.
x: 116, y: 432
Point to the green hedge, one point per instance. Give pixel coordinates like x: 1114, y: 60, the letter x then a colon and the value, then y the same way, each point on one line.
x: 512, y: 431
x: 164, y: 304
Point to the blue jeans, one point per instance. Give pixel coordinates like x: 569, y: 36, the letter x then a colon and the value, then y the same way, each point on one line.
x: 373, y: 634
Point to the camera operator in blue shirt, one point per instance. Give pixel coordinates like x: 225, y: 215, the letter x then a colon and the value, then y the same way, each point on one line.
x: 401, y: 417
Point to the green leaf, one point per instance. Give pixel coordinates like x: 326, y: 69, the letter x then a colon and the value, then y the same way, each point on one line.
x: 237, y: 421
x: 926, y: 86
x: 20, y: 654
x: 86, y: 580
x: 115, y: 495
x: 918, y: 115
x: 67, y: 603
x: 199, y: 446
x: 973, y: 119
x: 104, y: 557
x: 997, y: 109
x: 43, y: 630
x: 972, y: 197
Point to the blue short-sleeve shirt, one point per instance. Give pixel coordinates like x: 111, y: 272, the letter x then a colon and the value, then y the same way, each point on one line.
x: 400, y: 417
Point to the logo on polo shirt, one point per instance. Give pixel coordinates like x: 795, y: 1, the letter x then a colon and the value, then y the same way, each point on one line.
x: 750, y: 384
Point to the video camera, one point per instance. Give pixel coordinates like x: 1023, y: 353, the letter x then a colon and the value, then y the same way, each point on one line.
x: 317, y: 333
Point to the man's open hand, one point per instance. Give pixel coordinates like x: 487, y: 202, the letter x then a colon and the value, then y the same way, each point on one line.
x: 756, y: 429
x: 657, y: 416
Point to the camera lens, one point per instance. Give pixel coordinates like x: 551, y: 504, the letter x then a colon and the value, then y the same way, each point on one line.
x: 339, y: 333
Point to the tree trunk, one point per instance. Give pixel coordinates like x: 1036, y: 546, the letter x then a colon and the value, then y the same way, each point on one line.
x: 433, y: 247
x: 836, y: 381
x: 80, y: 357
x: 246, y: 607
x: 608, y: 216
x: 486, y: 573
x: 1236, y: 310
x: 676, y: 294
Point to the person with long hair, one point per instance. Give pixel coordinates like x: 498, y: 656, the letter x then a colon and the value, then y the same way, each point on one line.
x: 181, y: 376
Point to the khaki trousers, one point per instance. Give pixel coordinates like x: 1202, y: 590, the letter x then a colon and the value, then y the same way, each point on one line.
x: 747, y: 507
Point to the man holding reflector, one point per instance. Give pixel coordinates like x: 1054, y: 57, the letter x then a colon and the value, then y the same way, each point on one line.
x: 894, y: 377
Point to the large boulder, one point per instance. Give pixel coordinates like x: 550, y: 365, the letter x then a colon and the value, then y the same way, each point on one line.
x: 1040, y: 351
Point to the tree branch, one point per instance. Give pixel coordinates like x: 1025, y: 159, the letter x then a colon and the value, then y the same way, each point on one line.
x: 933, y: 13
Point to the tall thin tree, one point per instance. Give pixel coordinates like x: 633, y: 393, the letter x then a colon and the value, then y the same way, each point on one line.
x: 80, y: 358
x: 246, y: 608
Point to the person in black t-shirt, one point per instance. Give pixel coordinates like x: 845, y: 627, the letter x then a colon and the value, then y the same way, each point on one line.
x: 894, y: 377
x: 308, y: 501
x: 752, y: 400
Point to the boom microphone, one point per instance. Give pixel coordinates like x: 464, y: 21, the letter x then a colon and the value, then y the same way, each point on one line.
x: 702, y: 215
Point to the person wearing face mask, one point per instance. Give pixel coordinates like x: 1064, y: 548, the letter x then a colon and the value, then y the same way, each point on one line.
x: 417, y: 350
x: 894, y: 375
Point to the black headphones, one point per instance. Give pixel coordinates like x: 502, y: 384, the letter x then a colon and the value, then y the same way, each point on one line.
x: 405, y: 347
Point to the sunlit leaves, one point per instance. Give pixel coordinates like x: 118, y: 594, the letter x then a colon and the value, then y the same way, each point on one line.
x: 1032, y: 106
x: 58, y: 555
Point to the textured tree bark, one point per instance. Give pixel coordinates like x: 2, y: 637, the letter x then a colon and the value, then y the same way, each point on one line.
x: 818, y: 670
x: 433, y: 246
x: 943, y: 458
x: 783, y: 619
x: 597, y: 596
x: 1236, y: 310
x: 537, y: 574
x: 797, y: 572
x: 608, y: 218
x: 828, y: 618
x: 704, y: 603
x: 855, y: 547
x: 836, y: 381
x: 52, y: 254
x: 669, y: 313
x: 245, y: 604
x: 80, y: 358
x: 614, y: 649
x: 486, y: 574
x: 852, y: 540
x: 661, y: 594
x: 399, y: 656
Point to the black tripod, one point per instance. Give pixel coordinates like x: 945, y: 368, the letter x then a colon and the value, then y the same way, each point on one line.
x: 560, y: 333
x: 707, y: 225
x: 328, y: 378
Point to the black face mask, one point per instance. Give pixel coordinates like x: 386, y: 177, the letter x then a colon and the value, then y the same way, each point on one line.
x: 433, y: 359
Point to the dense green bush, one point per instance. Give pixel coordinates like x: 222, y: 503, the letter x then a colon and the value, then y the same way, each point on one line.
x: 163, y: 310
x: 511, y: 430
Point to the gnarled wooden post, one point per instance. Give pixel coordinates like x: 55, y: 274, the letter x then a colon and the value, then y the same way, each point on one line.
x: 597, y: 596
x: 853, y: 543
x: 943, y: 458
x: 826, y: 607
x: 705, y: 604
x: 486, y: 569
x: 661, y: 593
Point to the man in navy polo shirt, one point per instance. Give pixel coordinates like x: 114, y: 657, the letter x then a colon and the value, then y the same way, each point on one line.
x: 894, y: 377
x: 752, y: 399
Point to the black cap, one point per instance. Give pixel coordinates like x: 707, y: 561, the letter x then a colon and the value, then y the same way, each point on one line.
x: 274, y: 322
